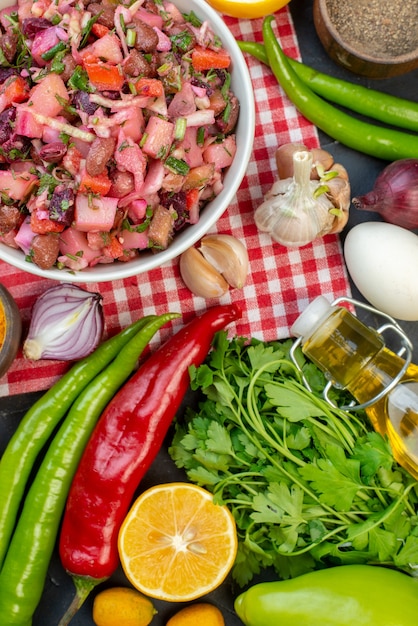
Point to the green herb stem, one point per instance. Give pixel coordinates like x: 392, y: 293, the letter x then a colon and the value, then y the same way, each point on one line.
x: 308, y: 483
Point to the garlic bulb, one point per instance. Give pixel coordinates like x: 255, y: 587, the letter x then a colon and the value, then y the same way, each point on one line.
x: 219, y: 263
x: 310, y: 204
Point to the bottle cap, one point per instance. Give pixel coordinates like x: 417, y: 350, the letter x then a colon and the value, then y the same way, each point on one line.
x: 312, y: 317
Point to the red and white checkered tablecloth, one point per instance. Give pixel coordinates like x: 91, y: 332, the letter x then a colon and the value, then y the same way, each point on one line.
x: 281, y: 281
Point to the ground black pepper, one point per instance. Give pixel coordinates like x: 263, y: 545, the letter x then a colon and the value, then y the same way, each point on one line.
x: 383, y: 28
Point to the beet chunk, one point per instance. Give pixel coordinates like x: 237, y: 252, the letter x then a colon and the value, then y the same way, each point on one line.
x: 32, y: 25
x: 7, y: 117
x: 176, y: 201
x: 61, y: 206
x: 80, y: 100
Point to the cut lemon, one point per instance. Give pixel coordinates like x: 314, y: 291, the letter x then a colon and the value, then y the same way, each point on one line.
x: 248, y: 9
x: 175, y: 544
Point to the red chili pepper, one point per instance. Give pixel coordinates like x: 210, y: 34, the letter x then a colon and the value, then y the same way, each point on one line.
x: 122, y: 447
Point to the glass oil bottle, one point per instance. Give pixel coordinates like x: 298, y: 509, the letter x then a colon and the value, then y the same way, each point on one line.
x: 354, y: 357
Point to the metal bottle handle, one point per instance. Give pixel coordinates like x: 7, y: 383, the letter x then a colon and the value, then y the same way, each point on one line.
x: 405, y: 352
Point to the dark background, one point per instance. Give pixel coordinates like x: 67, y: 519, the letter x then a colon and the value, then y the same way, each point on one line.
x: 362, y: 171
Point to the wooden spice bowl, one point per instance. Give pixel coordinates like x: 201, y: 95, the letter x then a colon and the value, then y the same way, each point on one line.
x: 10, y: 329
x: 372, y: 38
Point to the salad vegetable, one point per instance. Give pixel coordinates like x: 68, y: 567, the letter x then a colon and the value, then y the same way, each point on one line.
x: 39, y: 423
x: 310, y: 203
x: 381, y: 142
x: 309, y: 485
x: 122, y: 447
x: 372, y: 103
x: 249, y: 9
x: 67, y: 323
x: 25, y: 566
x: 117, y: 122
x: 218, y: 263
x: 394, y: 194
x: 338, y: 596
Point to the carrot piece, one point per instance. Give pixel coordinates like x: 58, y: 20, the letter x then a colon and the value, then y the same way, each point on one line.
x: 192, y: 198
x: 100, y: 184
x: 44, y: 226
x: 151, y: 87
x: 14, y: 89
x: 206, y: 59
x: 104, y: 76
x: 113, y: 247
x: 99, y: 30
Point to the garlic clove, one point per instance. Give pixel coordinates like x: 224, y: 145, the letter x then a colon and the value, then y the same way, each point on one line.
x: 322, y: 161
x: 228, y: 256
x: 341, y: 171
x: 284, y: 158
x: 339, y: 193
x: 200, y: 276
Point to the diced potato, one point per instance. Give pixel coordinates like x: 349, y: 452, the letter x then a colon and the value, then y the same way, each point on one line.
x: 94, y: 213
x: 44, y: 95
x: 221, y: 154
x: 74, y: 244
x: 16, y: 185
x: 159, y: 137
x: 133, y: 240
x: 107, y: 47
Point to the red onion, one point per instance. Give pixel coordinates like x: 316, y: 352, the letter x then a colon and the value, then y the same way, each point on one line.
x: 395, y: 194
x: 67, y: 324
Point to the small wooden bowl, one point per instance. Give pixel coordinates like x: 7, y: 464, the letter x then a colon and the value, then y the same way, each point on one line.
x: 364, y: 62
x: 10, y: 329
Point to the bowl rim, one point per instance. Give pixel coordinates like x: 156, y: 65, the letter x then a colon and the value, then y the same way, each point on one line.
x: 369, y: 58
x: 242, y: 86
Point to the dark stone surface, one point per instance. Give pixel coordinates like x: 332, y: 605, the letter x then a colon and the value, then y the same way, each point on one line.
x: 362, y: 170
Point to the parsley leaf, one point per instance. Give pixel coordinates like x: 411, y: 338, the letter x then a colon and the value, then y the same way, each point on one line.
x: 308, y: 484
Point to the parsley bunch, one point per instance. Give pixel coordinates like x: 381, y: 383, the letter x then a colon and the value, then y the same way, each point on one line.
x: 309, y: 485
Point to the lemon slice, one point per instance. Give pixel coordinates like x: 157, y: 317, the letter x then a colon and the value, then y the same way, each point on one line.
x: 248, y: 9
x: 176, y: 544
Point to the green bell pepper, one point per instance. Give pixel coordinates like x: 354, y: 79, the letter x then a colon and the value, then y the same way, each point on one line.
x: 346, y: 595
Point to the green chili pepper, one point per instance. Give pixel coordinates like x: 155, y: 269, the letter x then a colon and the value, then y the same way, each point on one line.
x: 25, y: 567
x: 39, y: 423
x: 377, y: 141
x: 371, y: 103
x: 345, y: 595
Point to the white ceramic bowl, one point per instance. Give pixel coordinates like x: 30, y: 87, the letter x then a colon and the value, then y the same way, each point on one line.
x: 242, y: 87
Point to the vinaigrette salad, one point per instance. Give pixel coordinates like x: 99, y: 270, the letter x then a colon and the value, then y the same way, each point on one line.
x: 117, y: 122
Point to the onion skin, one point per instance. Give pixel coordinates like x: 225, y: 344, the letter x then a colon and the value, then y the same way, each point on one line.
x: 67, y: 324
x: 394, y: 195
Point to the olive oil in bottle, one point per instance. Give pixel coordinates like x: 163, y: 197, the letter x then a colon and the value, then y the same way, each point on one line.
x: 354, y: 357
